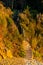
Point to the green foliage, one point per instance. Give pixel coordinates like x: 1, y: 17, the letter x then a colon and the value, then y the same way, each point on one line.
x: 22, y: 53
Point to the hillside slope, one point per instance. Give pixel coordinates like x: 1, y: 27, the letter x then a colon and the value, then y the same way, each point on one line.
x: 14, y: 44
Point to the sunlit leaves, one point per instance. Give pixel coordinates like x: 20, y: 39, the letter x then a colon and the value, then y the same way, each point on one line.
x: 14, y: 44
x: 8, y: 31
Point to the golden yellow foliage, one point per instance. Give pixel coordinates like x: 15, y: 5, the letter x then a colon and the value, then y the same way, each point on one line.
x: 33, y: 30
x: 34, y: 42
x: 14, y: 44
x: 9, y: 54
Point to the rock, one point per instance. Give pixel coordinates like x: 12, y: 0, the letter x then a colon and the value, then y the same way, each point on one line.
x: 27, y: 48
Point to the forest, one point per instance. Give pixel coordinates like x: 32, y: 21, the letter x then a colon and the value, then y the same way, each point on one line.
x: 21, y: 29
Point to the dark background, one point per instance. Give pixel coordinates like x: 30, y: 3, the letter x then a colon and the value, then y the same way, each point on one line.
x: 21, y: 4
